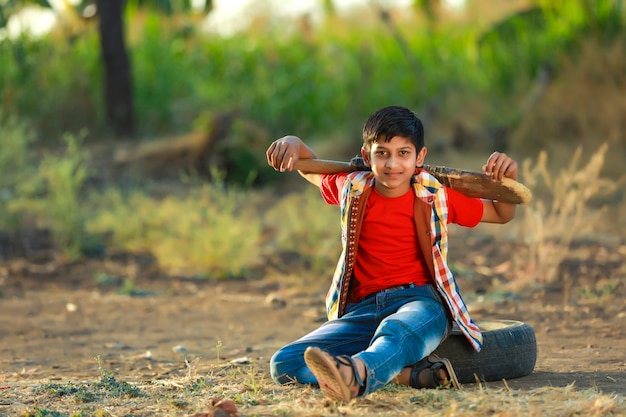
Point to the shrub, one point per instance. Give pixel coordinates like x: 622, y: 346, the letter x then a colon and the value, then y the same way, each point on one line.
x: 16, y: 164
x: 301, y: 223
x: 54, y: 197
x: 213, y: 232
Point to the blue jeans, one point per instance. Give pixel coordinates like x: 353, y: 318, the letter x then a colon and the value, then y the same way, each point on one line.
x: 388, y: 331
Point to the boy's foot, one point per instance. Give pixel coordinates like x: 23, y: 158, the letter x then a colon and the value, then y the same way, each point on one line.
x: 433, y: 372
x: 327, y: 370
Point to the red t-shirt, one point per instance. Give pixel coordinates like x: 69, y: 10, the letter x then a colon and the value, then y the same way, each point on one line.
x: 389, y: 253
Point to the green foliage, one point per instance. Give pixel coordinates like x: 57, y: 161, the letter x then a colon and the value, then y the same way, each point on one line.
x: 56, y: 84
x: 16, y: 164
x: 107, y: 387
x: 43, y: 412
x: 199, y: 385
x: 80, y: 393
x: 302, y: 223
x: 129, y: 287
x: 112, y: 386
x: 510, y: 50
x: 162, y: 87
x: 515, y: 48
x: 65, y: 177
x: 54, y: 196
x: 601, y: 290
x: 115, y: 388
x: 311, y: 83
x: 212, y: 232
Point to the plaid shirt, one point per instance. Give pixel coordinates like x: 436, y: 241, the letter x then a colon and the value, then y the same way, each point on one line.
x: 431, y: 213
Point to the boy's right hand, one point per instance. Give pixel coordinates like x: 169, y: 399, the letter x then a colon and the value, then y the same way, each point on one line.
x: 284, y: 152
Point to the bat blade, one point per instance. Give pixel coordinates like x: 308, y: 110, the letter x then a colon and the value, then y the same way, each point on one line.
x: 469, y: 183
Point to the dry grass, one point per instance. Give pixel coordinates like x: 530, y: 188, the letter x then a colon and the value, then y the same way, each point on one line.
x: 574, y: 149
x: 254, y: 394
x: 550, y: 225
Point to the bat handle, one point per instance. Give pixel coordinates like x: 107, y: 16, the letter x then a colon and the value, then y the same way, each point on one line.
x: 322, y: 166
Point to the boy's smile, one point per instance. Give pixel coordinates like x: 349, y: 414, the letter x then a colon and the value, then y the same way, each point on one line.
x: 393, y: 164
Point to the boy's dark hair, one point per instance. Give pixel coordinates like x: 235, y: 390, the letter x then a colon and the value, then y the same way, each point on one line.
x: 393, y: 121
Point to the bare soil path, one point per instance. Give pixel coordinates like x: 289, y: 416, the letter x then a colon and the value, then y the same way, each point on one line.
x: 55, y: 321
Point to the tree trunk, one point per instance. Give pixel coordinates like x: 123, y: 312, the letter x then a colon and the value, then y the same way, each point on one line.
x: 117, y: 79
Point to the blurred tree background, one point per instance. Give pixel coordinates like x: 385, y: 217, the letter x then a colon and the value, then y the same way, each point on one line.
x: 134, y: 90
x: 149, y: 68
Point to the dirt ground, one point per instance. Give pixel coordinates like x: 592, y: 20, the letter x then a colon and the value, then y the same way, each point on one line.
x: 55, y: 319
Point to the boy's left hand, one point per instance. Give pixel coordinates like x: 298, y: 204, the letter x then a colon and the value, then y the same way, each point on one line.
x: 499, y: 165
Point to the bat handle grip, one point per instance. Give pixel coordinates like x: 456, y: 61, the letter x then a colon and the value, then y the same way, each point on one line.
x: 358, y: 164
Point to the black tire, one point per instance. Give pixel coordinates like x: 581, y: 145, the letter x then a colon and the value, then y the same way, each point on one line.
x: 509, y: 351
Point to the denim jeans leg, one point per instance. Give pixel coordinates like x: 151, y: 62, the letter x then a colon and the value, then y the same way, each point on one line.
x: 409, y: 332
x: 347, y: 335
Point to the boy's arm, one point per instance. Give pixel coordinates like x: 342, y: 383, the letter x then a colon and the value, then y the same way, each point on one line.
x: 284, y: 152
x: 499, y: 165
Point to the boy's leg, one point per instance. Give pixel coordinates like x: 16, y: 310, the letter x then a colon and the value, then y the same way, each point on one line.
x: 409, y: 332
x: 347, y: 335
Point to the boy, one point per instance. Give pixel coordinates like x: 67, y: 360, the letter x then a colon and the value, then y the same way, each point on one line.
x: 393, y: 297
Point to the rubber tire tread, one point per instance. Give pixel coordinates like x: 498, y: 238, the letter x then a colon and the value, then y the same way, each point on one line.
x: 508, y: 352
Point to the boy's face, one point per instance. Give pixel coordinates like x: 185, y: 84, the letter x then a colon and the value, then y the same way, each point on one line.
x: 393, y: 164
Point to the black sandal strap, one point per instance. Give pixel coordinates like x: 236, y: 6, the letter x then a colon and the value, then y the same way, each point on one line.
x: 416, y: 370
x: 348, y: 361
x: 431, y: 379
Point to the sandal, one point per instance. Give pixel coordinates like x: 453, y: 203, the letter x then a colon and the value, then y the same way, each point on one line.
x: 325, y: 367
x: 425, y: 374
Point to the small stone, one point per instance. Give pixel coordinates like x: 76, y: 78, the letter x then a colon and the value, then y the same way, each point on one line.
x: 116, y: 345
x: 275, y: 301
x: 180, y: 349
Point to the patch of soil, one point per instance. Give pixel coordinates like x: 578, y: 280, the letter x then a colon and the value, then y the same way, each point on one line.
x: 56, y: 319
